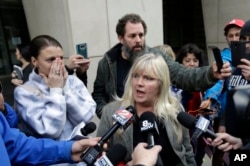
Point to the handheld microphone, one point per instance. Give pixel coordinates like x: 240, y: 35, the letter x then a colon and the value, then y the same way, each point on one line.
x: 88, y: 128
x: 148, y: 125
x: 201, y: 124
x: 112, y: 158
x: 122, y: 118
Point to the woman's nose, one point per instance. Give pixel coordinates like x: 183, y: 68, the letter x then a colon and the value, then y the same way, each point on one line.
x: 140, y: 81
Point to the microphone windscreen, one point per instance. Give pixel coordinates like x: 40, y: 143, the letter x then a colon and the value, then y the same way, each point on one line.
x: 131, y: 109
x: 88, y: 128
x: 150, y: 116
x: 148, y: 123
x: 186, y: 120
x: 116, y: 154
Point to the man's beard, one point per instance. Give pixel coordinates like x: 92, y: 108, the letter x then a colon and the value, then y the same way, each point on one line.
x: 130, y: 53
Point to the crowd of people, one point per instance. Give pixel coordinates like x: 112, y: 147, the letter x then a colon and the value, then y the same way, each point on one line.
x: 52, y: 100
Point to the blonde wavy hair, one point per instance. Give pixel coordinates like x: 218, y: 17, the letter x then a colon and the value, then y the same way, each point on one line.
x: 166, y: 106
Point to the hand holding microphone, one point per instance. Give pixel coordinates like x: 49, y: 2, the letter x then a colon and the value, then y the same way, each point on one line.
x: 200, y: 125
x: 144, y: 156
x: 123, y: 118
x: 232, y: 142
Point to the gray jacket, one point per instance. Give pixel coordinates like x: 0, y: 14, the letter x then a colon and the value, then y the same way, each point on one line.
x: 184, y: 150
x: 106, y: 78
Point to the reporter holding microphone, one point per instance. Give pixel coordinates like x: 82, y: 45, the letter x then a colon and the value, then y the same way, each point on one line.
x: 231, y: 142
x: 148, y: 89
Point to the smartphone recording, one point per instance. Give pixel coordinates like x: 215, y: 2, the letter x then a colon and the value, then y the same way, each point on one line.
x: 81, y: 49
x: 240, y: 50
x: 218, y: 58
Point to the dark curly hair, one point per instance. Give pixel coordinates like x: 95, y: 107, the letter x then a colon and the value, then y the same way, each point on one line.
x: 133, y: 18
x: 190, y: 48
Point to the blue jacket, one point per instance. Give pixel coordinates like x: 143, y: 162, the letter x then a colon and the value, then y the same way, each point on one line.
x: 18, y: 149
x: 11, y: 116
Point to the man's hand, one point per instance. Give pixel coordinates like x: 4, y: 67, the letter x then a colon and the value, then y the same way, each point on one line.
x: 226, y: 71
x: 78, y: 62
x: 231, y: 142
x: 80, y: 146
x: 144, y: 156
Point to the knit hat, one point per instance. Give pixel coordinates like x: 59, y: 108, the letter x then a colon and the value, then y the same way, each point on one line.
x: 245, y: 31
x: 235, y: 22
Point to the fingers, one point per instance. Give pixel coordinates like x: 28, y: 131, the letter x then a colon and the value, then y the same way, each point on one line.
x: 209, y: 140
x: 16, y: 81
x: 54, y: 69
x: 13, y: 74
x: 225, y: 72
x: 245, y: 61
x: 82, y: 61
x: 94, y: 141
x: 76, y: 61
x: 57, y: 75
x: 90, y: 141
x: 219, y: 137
x: 226, y: 68
x: 141, y: 145
x: 57, y: 67
x: 157, y: 148
x: 245, y: 68
x: 225, y: 147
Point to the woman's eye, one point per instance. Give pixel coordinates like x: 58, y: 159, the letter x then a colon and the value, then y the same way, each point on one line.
x: 51, y: 59
x: 135, y: 75
x: 148, y: 78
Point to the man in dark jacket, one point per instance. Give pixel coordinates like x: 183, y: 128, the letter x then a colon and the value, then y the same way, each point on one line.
x: 114, y: 66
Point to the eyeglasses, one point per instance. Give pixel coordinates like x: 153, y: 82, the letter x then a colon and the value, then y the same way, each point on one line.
x: 1, y: 87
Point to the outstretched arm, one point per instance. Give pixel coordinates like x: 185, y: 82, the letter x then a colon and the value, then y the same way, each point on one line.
x: 25, y: 150
x: 197, y: 79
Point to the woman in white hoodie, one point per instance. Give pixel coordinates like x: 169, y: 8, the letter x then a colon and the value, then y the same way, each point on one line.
x: 51, y: 103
